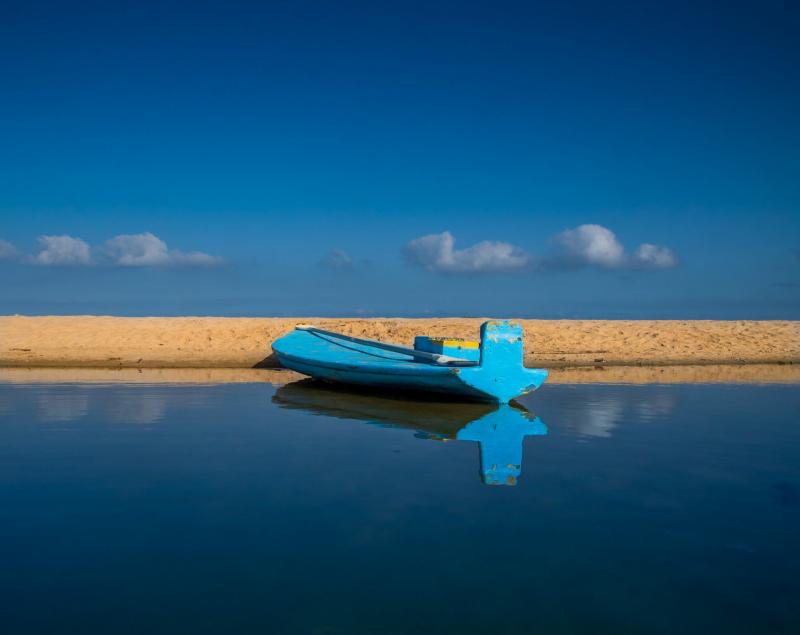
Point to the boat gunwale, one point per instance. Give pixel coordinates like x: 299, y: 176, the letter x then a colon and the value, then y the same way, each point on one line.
x: 390, y: 367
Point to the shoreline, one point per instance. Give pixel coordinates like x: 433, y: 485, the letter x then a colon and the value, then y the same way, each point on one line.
x: 241, y: 343
x: 634, y: 375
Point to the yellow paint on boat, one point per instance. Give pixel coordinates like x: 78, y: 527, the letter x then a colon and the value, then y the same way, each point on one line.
x: 454, y: 342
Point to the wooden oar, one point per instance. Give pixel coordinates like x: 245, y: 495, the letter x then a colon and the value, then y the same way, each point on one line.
x: 433, y: 357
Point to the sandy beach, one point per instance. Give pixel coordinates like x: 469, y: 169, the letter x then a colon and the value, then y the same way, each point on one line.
x: 211, y: 342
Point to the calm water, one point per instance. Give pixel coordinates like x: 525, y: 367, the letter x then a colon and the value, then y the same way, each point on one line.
x: 246, y: 508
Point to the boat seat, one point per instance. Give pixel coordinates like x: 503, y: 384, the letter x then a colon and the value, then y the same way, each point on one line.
x: 451, y: 346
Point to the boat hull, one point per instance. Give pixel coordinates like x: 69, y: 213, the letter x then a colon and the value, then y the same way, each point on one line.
x: 498, y: 377
x: 446, y: 383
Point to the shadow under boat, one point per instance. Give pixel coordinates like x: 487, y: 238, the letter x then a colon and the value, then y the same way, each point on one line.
x: 498, y: 429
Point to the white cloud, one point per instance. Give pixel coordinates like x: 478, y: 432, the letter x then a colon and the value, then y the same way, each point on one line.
x: 125, y: 250
x: 598, y: 246
x: 63, y: 250
x: 654, y: 256
x: 436, y: 252
x: 338, y: 260
x: 591, y: 245
x: 136, y: 250
x: 148, y: 250
x: 194, y: 258
x: 7, y: 250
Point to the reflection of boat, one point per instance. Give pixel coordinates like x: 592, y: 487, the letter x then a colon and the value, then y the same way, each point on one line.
x: 500, y: 430
x: 500, y: 435
x: 489, y: 370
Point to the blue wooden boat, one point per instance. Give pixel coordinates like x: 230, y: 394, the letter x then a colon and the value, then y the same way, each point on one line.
x: 490, y: 370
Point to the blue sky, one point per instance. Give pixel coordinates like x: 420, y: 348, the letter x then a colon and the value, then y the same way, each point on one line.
x: 282, y: 159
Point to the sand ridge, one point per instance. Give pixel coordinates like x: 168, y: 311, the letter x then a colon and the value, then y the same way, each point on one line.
x: 215, y: 342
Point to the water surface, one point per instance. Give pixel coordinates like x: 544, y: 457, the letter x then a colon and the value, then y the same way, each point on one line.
x: 251, y: 508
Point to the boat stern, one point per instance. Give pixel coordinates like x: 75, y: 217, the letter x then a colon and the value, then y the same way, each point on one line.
x: 501, y: 375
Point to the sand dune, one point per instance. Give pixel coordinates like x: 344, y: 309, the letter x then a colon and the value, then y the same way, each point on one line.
x: 200, y: 342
